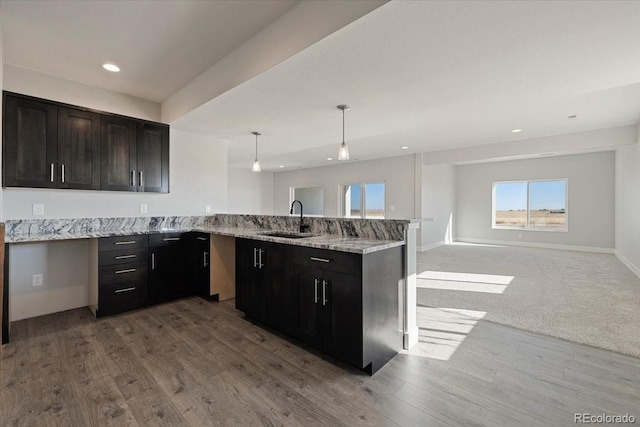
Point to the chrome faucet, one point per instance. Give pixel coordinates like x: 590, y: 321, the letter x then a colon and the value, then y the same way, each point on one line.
x: 303, y: 227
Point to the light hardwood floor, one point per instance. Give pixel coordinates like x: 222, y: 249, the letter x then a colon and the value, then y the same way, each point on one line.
x: 196, y: 363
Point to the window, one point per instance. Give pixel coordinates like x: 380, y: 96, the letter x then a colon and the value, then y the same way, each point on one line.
x: 312, y: 199
x: 363, y: 200
x: 532, y: 205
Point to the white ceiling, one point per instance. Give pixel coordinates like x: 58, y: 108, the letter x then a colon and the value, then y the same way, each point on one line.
x: 430, y: 75
x: 436, y: 75
x: 159, y: 45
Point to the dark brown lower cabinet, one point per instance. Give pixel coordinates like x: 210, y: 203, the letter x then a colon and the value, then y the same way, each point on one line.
x: 342, y: 303
x: 122, y: 274
x: 168, y: 267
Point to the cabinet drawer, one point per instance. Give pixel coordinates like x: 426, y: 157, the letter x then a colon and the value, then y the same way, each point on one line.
x: 121, y: 297
x: 122, y: 273
x: 123, y: 256
x: 138, y: 241
x: 164, y: 239
x: 341, y: 262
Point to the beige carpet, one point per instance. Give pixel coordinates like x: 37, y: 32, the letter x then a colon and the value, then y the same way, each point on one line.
x: 583, y: 297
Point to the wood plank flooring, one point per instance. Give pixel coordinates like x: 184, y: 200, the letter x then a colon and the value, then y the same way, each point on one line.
x: 199, y: 363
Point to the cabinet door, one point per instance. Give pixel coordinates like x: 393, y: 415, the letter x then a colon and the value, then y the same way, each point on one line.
x: 198, y: 264
x: 251, y: 290
x: 118, y: 154
x: 283, y: 293
x: 29, y: 143
x: 167, y: 273
x: 78, y: 149
x: 341, y: 298
x: 153, y: 158
x: 309, y: 281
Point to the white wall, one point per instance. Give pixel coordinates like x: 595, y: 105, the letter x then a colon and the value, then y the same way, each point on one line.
x: 397, y: 172
x: 41, y: 85
x: 590, y: 207
x: 628, y: 205
x: 438, y: 204
x: 250, y: 192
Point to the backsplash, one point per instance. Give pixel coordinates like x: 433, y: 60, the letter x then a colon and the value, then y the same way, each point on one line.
x: 83, y: 225
x: 379, y: 229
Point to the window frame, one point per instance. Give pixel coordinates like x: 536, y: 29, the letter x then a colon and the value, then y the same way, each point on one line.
x: 527, y: 226
x: 292, y: 191
x: 363, y: 199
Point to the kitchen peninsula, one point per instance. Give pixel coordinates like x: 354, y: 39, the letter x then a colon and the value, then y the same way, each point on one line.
x: 373, y: 251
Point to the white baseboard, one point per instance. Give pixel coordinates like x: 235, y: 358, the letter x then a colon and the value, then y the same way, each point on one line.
x: 431, y: 246
x: 410, y: 338
x: 537, y: 245
x: 631, y: 266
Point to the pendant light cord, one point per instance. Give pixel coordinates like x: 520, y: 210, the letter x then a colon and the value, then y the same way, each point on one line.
x: 256, y: 146
x: 343, y: 126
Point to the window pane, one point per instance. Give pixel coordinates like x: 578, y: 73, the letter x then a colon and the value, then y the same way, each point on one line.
x: 374, y: 199
x: 547, y: 204
x: 510, y: 204
x: 352, y: 197
x: 312, y: 199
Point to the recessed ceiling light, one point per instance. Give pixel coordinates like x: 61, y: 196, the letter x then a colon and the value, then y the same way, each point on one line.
x: 329, y: 158
x: 281, y: 166
x: 111, y: 67
x: 516, y: 130
x: 405, y: 147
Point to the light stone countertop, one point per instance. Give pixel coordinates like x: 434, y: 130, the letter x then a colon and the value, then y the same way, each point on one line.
x: 323, y: 241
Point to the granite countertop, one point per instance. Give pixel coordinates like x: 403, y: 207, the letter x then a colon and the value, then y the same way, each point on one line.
x: 322, y: 241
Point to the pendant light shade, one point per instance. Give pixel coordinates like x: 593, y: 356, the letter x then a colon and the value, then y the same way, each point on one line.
x: 256, y: 163
x: 343, y: 154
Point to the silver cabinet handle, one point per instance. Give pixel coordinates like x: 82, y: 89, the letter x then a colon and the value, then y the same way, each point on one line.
x: 255, y: 258
x: 153, y: 261
x: 260, y: 264
x: 62, y: 174
x: 52, y: 171
x: 128, y: 270
x: 204, y: 259
x: 170, y: 239
x: 128, y: 242
x: 140, y: 179
x: 133, y: 178
x: 124, y: 256
x: 315, y: 290
x: 125, y: 290
x: 320, y: 259
x: 202, y: 238
x: 324, y: 292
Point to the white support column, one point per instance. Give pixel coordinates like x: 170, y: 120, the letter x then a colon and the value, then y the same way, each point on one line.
x: 411, y: 331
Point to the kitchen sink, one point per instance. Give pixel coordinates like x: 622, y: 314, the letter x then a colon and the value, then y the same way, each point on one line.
x: 287, y: 234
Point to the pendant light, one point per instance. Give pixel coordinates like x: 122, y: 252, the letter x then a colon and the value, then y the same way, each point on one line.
x: 343, y: 154
x: 256, y: 163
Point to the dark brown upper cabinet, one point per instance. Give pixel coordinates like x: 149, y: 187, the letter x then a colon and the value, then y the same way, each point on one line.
x: 30, y: 149
x: 118, y: 144
x: 153, y: 158
x: 78, y: 149
x: 47, y: 144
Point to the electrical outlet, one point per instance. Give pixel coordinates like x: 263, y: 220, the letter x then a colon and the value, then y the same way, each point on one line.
x: 207, y: 208
x: 143, y: 208
x: 520, y: 235
x: 38, y: 209
x: 393, y: 208
x: 36, y: 280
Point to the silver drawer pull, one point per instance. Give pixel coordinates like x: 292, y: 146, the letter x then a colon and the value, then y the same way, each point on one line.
x: 128, y: 270
x: 125, y: 290
x: 129, y: 242
x: 315, y: 290
x: 124, y: 257
x: 203, y: 238
x: 324, y: 292
x: 170, y: 239
x: 52, y: 168
x: 320, y: 259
